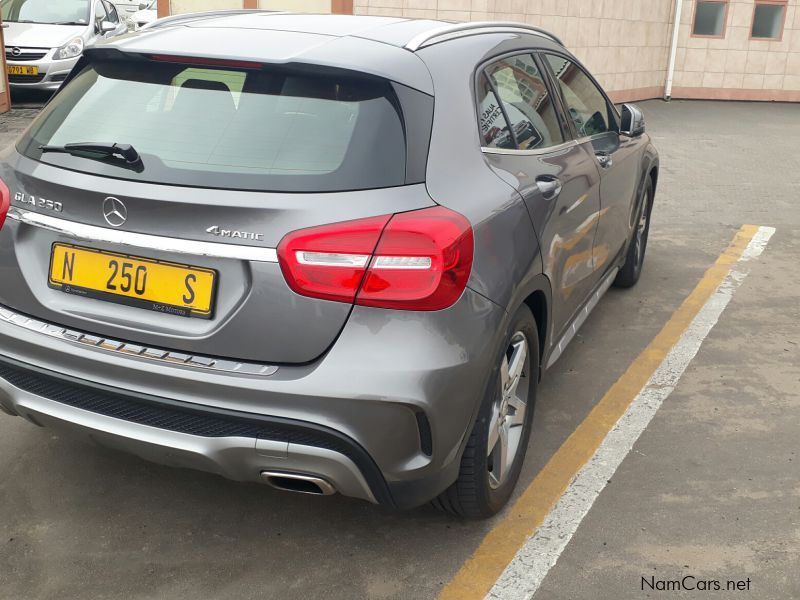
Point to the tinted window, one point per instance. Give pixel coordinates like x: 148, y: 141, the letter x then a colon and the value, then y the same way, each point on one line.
x: 525, y: 101
x: 230, y: 128
x: 585, y: 102
x: 495, y: 132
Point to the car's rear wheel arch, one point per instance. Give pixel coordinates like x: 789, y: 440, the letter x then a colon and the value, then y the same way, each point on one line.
x: 654, y: 177
x: 648, y: 172
x: 537, y: 303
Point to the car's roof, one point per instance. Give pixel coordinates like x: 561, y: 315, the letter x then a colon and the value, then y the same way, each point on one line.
x: 389, y: 30
x: 397, y: 31
x: 383, y: 46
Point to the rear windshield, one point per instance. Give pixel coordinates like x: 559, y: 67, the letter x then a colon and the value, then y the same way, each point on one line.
x: 230, y: 128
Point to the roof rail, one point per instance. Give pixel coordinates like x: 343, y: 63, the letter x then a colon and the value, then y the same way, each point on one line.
x: 474, y: 28
x: 199, y: 16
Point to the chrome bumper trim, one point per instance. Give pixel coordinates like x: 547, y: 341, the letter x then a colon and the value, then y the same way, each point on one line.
x: 91, y: 233
x: 133, y: 350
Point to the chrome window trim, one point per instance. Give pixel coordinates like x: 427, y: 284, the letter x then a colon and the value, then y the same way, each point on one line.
x: 456, y: 30
x: 92, y: 233
x: 534, y: 152
x: 119, y: 348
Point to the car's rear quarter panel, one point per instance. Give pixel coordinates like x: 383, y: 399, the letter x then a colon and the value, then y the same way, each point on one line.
x: 507, y: 267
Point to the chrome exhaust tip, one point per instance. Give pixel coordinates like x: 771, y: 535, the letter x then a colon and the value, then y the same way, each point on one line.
x: 298, y: 483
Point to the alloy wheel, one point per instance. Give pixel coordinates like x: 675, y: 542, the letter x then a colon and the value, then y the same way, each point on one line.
x: 507, y: 420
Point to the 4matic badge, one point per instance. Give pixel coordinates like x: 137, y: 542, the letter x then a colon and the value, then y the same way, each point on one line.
x: 232, y: 233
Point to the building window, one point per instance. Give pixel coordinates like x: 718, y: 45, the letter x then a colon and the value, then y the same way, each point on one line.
x: 710, y: 18
x: 768, y: 18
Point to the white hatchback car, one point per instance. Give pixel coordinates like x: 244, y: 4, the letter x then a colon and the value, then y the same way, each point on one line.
x: 45, y: 38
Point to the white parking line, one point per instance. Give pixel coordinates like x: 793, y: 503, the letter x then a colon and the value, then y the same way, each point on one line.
x: 523, y: 576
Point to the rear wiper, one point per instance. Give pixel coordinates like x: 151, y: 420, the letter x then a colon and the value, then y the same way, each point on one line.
x: 98, y: 150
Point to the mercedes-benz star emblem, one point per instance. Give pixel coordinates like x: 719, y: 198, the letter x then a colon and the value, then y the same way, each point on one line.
x: 114, y: 211
x: 16, y: 51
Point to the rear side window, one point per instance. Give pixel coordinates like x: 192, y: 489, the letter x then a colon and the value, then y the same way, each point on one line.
x: 495, y: 132
x: 515, y: 107
x: 229, y: 128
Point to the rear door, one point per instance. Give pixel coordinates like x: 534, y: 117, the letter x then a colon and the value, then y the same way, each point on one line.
x: 557, y: 178
x: 177, y: 249
x: 595, y: 121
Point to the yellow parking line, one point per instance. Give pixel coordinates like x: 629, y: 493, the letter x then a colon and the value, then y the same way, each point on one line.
x: 477, y: 576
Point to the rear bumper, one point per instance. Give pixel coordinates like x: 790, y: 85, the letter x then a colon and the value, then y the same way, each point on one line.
x: 235, y: 445
x: 383, y: 416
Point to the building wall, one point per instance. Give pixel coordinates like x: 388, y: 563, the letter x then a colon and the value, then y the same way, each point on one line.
x: 184, y: 6
x: 624, y: 43
x: 306, y: 6
x: 735, y: 66
x: 175, y: 7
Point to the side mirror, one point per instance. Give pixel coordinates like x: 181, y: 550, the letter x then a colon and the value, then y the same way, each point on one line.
x: 107, y: 27
x: 142, y: 5
x: 632, y: 121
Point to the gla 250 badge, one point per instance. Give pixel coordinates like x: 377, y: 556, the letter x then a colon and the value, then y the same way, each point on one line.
x: 23, y: 198
x: 232, y: 233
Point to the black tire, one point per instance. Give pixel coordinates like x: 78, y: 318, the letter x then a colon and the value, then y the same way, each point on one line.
x: 472, y: 495
x: 634, y: 260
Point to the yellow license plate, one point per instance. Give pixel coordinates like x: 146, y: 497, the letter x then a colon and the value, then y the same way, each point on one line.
x: 142, y: 282
x: 20, y: 70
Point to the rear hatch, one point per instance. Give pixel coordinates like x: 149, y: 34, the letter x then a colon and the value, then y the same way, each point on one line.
x: 171, y: 242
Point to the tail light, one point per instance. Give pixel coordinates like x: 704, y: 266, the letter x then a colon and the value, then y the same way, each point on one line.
x: 329, y: 262
x: 419, y: 260
x: 5, y: 202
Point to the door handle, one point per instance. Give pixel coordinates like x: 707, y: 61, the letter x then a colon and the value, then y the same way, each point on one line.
x: 605, y: 160
x: 549, y: 187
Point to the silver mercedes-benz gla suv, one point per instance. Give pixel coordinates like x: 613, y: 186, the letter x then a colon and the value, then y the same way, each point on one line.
x: 330, y: 254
